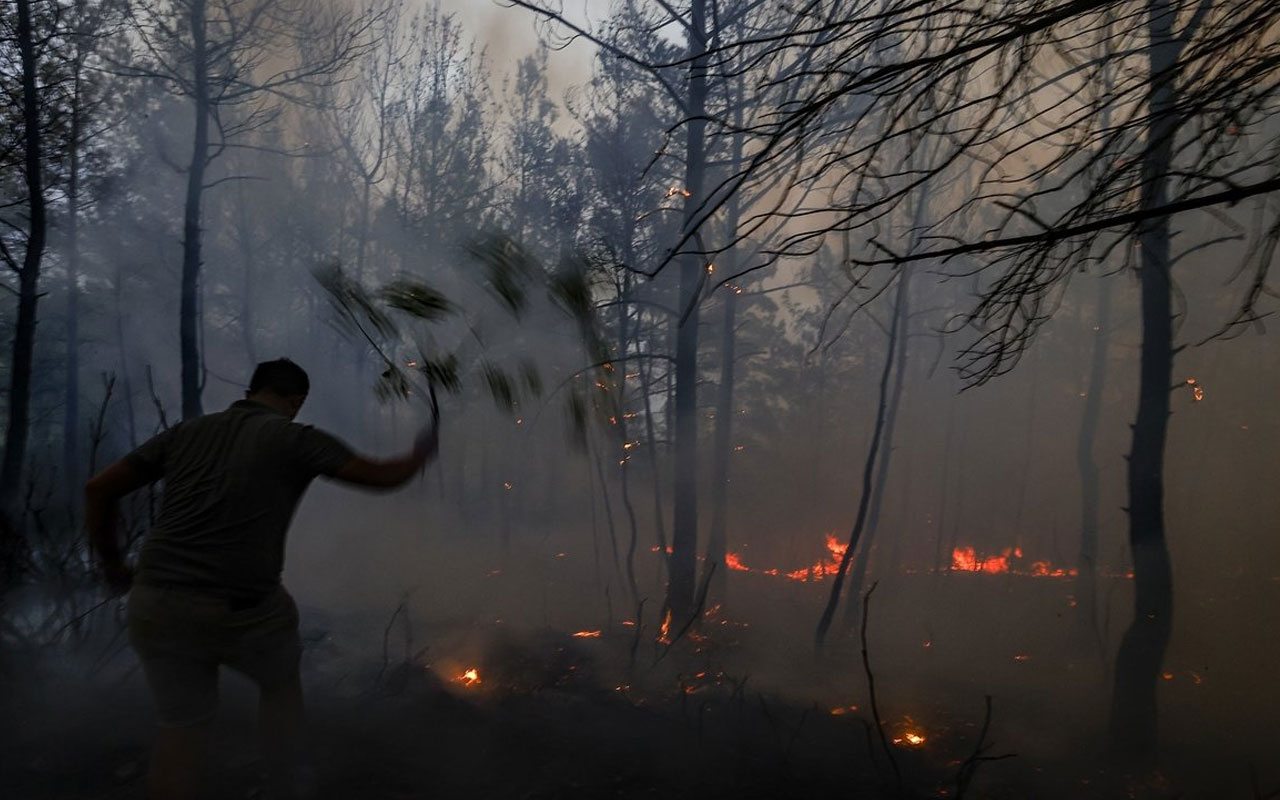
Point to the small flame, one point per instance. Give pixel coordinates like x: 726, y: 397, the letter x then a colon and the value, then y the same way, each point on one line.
x: 469, y: 678
x: 587, y: 634
x: 665, y: 629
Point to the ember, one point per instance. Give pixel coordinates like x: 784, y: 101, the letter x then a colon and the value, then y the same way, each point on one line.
x: 587, y: 634
x: 469, y: 678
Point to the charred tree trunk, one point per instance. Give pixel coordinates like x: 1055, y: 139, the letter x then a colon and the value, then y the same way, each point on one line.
x: 189, y: 307
x: 684, y: 535
x: 717, y: 535
x: 1133, y: 725
x: 624, y: 441
x: 71, y: 396
x: 651, y: 448
x: 939, y: 565
x: 868, y: 470
x: 1090, y: 482
x: 897, y: 346
x: 15, y: 448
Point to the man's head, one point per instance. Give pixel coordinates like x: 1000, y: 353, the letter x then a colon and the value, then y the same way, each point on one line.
x: 281, y: 384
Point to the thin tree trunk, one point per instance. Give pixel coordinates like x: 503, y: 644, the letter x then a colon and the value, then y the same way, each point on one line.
x: 897, y: 345
x: 620, y: 410
x: 939, y: 565
x: 651, y: 448
x: 717, y: 535
x: 15, y: 448
x: 1087, y: 562
x: 684, y: 535
x: 189, y: 309
x: 71, y: 466
x: 1133, y: 725
x: 868, y: 469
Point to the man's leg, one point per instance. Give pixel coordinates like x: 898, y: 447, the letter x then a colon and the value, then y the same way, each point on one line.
x: 280, y: 726
x: 172, y: 633
x: 177, y: 762
x: 269, y: 650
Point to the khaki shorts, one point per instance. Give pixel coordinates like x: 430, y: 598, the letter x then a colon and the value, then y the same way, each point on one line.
x: 182, y: 637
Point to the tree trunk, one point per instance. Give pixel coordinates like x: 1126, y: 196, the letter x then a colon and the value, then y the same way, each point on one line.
x: 71, y: 466
x: 684, y: 535
x: 717, y: 535
x: 868, y: 467
x: 189, y: 308
x: 1090, y: 482
x: 898, y: 346
x: 939, y: 564
x: 15, y: 449
x: 1133, y: 729
x: 620, y: 411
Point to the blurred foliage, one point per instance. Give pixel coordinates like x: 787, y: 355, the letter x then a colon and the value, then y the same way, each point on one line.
x: 509, y: 271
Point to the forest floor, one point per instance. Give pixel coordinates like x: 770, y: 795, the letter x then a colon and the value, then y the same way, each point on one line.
x: 732, y: 710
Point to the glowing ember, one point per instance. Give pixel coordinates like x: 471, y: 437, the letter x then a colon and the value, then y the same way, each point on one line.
x: 469, y: 678
x: 839, y: 710
x: 665, y: 629
x: 587, y: 634
x: 909, y: 739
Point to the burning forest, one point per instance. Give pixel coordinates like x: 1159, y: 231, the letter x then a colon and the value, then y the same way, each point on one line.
x: 639, y: 399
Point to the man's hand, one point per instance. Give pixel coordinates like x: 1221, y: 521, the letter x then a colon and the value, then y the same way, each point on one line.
x: 118, y: 576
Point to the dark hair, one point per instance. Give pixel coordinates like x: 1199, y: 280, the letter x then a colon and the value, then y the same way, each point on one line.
x: 282, y: 376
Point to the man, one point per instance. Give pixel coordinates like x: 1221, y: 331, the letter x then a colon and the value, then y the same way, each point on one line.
x: 207, y: 587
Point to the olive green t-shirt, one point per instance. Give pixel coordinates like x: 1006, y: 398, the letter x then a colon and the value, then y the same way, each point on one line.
x: 232, y: 481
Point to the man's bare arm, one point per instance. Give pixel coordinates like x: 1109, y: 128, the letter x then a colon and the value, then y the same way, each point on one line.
x: 101, y: 500
x: 390, y: 473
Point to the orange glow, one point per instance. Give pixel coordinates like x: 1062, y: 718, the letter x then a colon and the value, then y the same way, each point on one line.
x: 734, y: 561
x: 469, y: 678
x: 587, y: 634
x: 665, y: 629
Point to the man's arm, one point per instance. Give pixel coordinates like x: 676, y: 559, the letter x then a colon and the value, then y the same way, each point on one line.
x: 392, y: 472
x: 101, y: 499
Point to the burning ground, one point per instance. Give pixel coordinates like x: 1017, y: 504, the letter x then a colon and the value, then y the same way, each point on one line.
x: 487, y: 681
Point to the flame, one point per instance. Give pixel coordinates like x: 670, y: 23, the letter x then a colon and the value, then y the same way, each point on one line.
x: 469, y: 678
x: 814, y: 572
x: 665, y: 629
x: 967, y: 559
x: 587, y: 634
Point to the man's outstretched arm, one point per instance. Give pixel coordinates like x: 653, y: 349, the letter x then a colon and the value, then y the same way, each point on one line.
x: 101, y: 500
x: 390, y: 473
